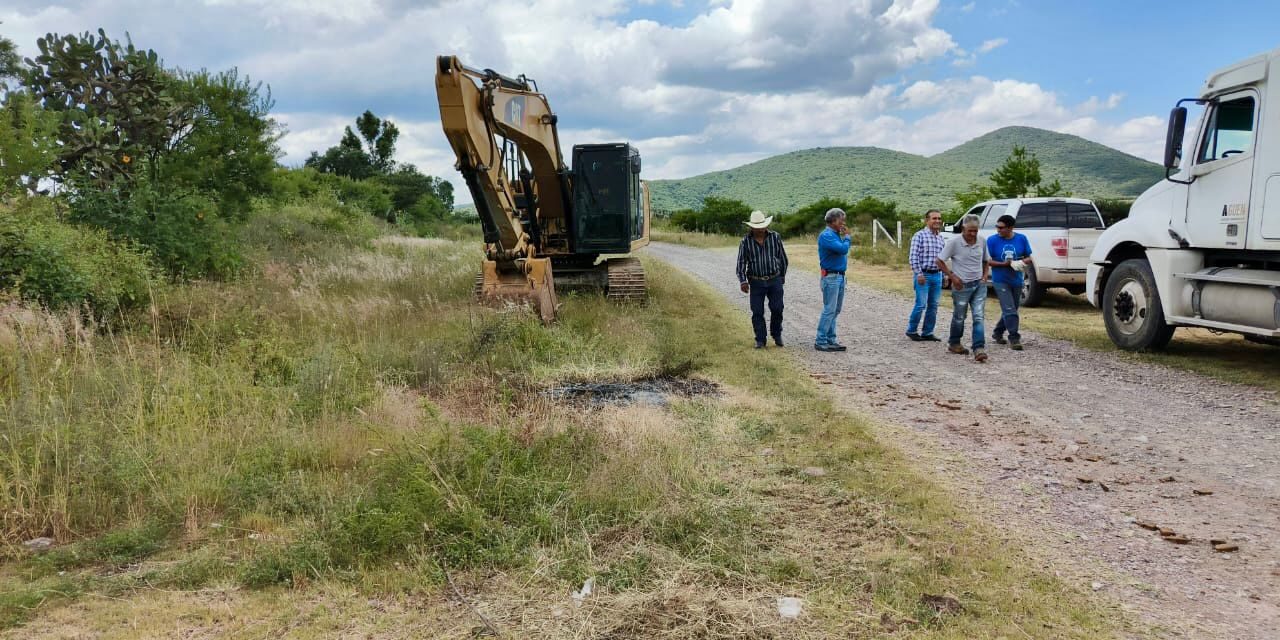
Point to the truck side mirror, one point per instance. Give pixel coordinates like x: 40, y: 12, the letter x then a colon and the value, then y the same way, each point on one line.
x: 635, y: 166
x: 1173, y: 138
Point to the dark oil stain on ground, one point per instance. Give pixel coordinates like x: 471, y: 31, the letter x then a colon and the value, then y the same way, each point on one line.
x: 652, y: 391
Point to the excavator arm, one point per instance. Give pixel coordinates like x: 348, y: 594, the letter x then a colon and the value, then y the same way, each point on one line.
x: 483, y: 111
x: 495, y: 124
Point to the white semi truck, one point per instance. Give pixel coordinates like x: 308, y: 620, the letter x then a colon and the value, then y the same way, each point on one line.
x: 1202, y: 247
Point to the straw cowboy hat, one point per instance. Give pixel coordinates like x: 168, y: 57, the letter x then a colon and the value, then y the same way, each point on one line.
x: 758, y: 220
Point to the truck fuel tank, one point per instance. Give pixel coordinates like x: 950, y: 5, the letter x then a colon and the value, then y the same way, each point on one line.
x: 1248, y: 297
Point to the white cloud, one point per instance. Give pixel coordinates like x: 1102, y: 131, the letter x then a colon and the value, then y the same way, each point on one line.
x: 995, y: 43
x: 739, y: 81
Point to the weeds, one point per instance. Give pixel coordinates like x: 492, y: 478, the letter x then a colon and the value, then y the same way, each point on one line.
x: 347, y: 421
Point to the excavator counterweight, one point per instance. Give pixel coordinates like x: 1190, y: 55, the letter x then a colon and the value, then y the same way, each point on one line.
x: 542, y: 219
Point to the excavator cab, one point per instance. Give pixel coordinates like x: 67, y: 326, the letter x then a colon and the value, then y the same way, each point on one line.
x: 608, y: 199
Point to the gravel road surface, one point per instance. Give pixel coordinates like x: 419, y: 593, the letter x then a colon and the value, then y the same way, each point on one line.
x: 1070, y: 451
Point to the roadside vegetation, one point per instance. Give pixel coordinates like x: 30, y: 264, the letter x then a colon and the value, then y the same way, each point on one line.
x: 343, y: 420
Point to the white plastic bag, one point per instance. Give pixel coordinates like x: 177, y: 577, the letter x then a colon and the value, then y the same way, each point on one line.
x: 789, y: 608
x: 585, y: 592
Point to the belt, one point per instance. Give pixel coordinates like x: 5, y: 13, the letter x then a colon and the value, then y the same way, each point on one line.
x: 931, y: 271
x: 763, y: 277
x: 831, y: 271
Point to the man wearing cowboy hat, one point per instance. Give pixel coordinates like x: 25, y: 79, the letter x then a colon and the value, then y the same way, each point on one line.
x: 762, y: 269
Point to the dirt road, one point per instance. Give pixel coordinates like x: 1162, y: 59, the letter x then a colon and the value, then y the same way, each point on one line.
x: 1070, y: 451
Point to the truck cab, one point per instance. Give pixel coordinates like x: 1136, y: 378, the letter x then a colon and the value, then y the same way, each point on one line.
x: 1202, y: 248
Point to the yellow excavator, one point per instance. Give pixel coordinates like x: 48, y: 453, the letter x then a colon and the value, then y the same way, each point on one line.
x: 546, y: 225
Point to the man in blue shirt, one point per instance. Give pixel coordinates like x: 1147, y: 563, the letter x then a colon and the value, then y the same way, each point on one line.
x: 833, y: 258
x: 1009, y: 253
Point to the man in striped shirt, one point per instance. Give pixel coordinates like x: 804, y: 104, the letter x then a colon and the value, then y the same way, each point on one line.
x: 762, y: 269
x: 926, y: 244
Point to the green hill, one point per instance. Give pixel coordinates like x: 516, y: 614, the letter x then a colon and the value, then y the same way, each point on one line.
x: 786, y: 182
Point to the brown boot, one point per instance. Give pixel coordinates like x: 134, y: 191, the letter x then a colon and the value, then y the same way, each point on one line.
x: 958, y: 349
x: 980, y: 355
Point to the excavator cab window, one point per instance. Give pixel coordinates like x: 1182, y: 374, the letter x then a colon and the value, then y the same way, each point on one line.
x: 604, y: 197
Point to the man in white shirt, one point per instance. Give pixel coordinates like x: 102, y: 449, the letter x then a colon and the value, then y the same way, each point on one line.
x: 968, y: 273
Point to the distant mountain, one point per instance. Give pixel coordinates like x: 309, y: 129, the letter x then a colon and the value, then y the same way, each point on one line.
x: 1087, y: 168
x: 786, y: 182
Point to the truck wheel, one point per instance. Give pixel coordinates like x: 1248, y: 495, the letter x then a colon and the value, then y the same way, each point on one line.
x: 1032, y: 290
x: 1131, y: 308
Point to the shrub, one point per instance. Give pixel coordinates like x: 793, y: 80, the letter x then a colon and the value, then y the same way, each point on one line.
x: 718, y: 215
x: 63, y: 265
x: 185, y: 230
x: 808, y: 219
x: 1113, y: 210
x: 306, y: 225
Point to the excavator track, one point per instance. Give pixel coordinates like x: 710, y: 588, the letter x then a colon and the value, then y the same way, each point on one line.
x: 626, y: 281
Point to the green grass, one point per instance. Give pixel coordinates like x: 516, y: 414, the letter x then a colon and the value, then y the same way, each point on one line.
x: 784, y: 183
x: 347, y: 424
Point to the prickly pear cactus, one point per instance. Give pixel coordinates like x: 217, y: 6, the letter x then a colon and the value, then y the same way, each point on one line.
x: 116, y: 103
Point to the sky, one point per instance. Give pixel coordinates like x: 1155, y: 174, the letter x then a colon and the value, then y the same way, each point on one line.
x: 704, y: 85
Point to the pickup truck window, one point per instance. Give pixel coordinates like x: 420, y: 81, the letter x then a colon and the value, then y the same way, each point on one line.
x: 1083, y: 216
x: 994, y: 214
x: 1230, y: 130
x: 1042, y: 215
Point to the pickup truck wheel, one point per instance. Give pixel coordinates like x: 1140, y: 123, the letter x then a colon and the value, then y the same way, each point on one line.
x: 1032, y: 290
x: 1131, y: 308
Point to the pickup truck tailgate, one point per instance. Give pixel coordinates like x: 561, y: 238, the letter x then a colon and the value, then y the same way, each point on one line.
x: 1080, y: 243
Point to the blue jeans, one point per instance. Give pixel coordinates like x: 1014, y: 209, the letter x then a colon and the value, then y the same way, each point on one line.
x: 927, y: 295
x: 972, y: 296
x: 832, y: 302
x: 771, y: 289
x: 1010, y: 298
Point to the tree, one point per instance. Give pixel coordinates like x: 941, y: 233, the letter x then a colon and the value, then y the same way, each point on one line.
x: 1014, y: 179
x: 1017, y: 175
x: 230, y: 149
x: 9, y: 62
x: 380, y: 140
x: 27, y: 144
x: 116, y: 104
x: 871, y: 208
x: 364, y: 156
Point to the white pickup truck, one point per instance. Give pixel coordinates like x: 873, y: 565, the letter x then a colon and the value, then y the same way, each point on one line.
x: 1062, y: 232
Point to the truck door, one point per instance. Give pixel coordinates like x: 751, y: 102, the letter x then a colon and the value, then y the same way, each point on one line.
x: 1218, y: 200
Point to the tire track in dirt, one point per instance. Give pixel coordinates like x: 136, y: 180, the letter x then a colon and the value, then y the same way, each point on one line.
x: 1068, y: 450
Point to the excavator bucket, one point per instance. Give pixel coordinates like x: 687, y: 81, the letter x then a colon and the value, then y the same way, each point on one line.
x: 531, y: 284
